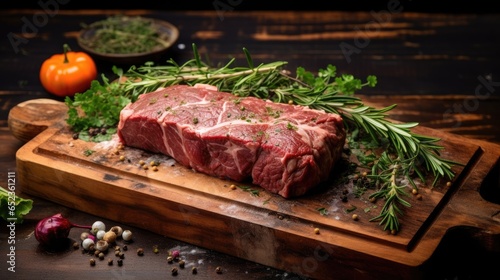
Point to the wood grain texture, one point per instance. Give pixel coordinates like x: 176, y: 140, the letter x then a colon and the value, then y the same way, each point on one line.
x: 56, y: 167
x: 432, y: 64
x: 409, y: 52
x: 29, y: 118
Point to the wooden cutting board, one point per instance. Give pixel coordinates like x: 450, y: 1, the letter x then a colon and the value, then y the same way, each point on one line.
x: 106, y: 180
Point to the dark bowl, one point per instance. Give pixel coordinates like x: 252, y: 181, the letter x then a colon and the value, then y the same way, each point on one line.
x: 168, y: 32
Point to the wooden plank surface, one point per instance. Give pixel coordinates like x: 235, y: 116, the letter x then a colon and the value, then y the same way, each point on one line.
x: 430, y: 66
x: 56, y: 167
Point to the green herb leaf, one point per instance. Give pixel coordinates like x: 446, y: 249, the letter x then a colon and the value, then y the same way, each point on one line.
x: 13, y: 207
x: 322, y: 211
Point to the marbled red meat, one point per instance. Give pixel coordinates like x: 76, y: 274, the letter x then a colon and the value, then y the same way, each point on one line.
x: 285, y: 149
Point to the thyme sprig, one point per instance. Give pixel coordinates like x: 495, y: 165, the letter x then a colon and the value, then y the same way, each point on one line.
x: 415, y: 153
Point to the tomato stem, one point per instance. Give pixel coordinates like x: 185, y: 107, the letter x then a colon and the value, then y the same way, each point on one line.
x: 66, y: 50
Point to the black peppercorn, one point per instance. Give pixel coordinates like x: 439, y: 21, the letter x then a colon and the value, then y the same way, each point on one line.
x: 174, y: 271
x: 140, y: 252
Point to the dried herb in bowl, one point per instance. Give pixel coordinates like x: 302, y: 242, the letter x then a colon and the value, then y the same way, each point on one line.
x: 125, y: 35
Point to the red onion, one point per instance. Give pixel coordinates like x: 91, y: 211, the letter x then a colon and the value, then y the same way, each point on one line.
x: 52, y: 230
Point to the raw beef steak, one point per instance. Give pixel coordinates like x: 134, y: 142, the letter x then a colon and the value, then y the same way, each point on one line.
x: 285, y: 149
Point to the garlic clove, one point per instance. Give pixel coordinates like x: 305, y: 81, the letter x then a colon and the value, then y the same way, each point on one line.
x: 97, y: 226
x: 87, y: 243
x: 100, y: 234
x: 127, y: 235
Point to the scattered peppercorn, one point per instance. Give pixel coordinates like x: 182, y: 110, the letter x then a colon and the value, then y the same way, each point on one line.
x: 233, y: 187
x: 92, y: 262
x: 414, y: 191
x: 101, y: 256
x: 194, y: 270
x: 182, y: 263
x: 120, y: 262
x: 419, y: 196
x: 140, y: 252
x: 174, y: 271
x: 316, y: 230
x: 448, y: 184
x: 355, y: 217
x: 92, y: 131
x: 124, y: 248
x: 218, y: 270
x: 76, y: 245
x: 110, y: 261
x: 170, y: 259
x: 155, y: 249
x: 121, y: 255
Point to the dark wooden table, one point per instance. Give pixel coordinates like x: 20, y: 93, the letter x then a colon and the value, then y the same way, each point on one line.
x: 441, y: 69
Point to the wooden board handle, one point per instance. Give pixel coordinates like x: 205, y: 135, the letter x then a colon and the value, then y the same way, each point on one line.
x: 27, y: 119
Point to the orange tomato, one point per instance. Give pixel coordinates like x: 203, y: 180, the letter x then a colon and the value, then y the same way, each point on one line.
x: 68, y: 73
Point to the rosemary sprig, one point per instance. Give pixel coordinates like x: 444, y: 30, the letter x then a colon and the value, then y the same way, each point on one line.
x: 387, y: 172
x: 415, y: 154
